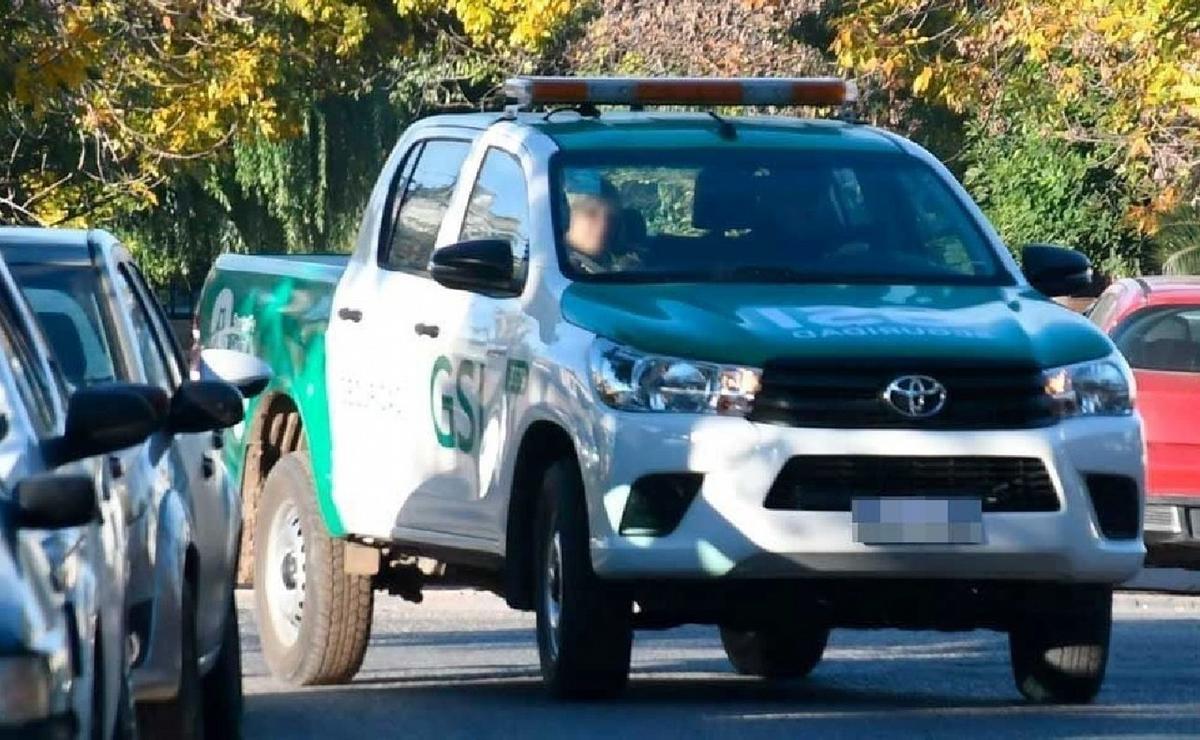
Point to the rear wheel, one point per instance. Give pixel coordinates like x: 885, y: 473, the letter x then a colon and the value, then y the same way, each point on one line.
x: 223, y: 684
x: 775, y: 652
x: 584, y: 629
x: 1059, y: 644
x: 314, y: 619
x: 181, y: 718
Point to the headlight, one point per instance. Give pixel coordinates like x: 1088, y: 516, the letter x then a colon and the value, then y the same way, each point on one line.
x: 1100, y: 387
x: 24, y: 689
x: 634, y: 381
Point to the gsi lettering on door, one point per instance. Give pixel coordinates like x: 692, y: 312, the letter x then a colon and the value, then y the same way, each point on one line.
x: 460, y: 388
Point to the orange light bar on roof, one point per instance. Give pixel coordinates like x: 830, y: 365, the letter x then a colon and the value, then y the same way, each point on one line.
x: 816, y: 91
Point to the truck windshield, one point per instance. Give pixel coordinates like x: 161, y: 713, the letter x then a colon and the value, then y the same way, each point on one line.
x: 765, y: 216
x: 64, y: 297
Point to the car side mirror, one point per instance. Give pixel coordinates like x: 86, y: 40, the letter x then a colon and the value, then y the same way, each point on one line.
x: 106, y: 418
x: 480, y: 266
x: 1056, y: 271
x: 249, y: 374
x: 204, y: 406
x: 54, y: 501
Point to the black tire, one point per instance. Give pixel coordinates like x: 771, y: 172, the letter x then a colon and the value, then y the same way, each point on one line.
x: 181, y: 718
x: 335, y: 617
x: 97, y: 729
x: 588, y: 655
x: 223, y: 684
x: 125, y: 727
x: 1059, y: 644
x: 775, y: 652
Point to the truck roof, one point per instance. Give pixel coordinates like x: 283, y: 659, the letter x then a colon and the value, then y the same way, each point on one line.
x: 666, y: 130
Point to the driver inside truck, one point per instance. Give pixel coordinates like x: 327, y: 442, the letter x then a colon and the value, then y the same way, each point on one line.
x: 594, y: 227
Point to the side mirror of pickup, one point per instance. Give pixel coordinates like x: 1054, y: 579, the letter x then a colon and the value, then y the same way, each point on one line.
x: 204, y: 406
x: 54, y: 501
x: 480, y: 266
x: 1056, y: 271
x: 106, y: 418
x: 242, y: 370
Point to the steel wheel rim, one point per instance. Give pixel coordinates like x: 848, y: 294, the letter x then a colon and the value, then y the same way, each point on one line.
x: 553, y: 592
x: 285, y: 573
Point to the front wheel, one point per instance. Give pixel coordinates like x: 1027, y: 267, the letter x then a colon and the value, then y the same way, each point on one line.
x: 775, y: 652
x: 314, y: 619
x: 223, y: 684
x: 181, y: 718
x: 584, y: 630
x: 1059, y: 644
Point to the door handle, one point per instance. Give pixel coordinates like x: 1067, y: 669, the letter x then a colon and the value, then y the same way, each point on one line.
x: 350, y: 314
x: 208, y: 466
x: 428, y: 330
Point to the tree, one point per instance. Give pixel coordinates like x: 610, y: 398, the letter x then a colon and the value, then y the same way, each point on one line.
x: 1114, y: 84
x: 204, y: 124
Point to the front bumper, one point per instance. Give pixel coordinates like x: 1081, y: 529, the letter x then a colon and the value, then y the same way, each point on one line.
x: 1173, y: 530
x: 726, y: 532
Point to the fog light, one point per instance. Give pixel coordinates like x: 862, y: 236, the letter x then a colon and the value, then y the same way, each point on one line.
x: 657, y: 503
x: 1115, y: 501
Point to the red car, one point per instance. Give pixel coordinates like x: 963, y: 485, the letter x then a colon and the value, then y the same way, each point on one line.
x: 1155, y: 321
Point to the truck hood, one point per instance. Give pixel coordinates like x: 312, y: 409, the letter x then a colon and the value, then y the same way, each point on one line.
x: 750, y: 324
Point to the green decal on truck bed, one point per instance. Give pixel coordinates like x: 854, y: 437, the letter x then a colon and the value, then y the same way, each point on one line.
x: 282, y: 318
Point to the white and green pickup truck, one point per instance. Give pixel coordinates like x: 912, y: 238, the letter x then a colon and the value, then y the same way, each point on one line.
x: 635, y: 370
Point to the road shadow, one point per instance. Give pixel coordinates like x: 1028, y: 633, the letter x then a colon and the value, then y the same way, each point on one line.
x: 872, y: 684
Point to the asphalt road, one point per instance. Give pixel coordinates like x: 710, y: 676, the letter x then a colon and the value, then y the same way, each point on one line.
x: 463, y: 665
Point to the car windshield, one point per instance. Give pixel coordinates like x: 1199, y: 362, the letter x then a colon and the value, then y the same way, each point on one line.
x: 64, y: 297
x: 761, y: 216
x: 1162, y: 339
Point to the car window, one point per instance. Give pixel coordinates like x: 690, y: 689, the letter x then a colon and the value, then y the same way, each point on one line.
x: 499, y: 206
x: 1102, y: 309
x: 66, y: 300
x: 423, y: 204
x: 160, y: 324
x: 712, y: 215
x: 32, y: 384
x: 1162, y: 338
x: 154, y: 362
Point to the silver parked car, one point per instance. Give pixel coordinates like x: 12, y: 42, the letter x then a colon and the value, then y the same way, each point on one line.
x: 184, y: 514
x: 64, y: 670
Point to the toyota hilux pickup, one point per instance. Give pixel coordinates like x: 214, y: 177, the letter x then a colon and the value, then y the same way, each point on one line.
x: 641, y: 369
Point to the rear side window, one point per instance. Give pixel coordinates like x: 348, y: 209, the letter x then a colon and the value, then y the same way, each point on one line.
x: 423, y: 199
x: 1163, y: 338
x: 499, y: 206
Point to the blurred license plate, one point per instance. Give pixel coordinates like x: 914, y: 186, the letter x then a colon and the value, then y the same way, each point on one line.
x: 917, y: 521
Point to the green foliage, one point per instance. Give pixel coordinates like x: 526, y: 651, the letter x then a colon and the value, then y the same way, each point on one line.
x: 1040, y: 189
x: 1177, y: 243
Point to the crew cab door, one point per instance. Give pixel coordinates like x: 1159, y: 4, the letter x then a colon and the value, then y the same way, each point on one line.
x: 478, y: 369
x: 383, y: 317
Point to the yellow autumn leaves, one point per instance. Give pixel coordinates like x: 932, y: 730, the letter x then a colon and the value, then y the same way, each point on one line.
x: 119, y: 94
x: 1124, y: 73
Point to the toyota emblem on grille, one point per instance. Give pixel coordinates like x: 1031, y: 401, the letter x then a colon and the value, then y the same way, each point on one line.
x: 915, y: 396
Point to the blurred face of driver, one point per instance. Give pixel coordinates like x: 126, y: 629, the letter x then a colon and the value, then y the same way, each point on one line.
x: 592, y: 224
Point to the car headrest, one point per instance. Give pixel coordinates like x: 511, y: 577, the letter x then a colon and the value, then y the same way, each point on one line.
x: 725, y: 198
x: 67, y: 345
x: 633, y: 226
